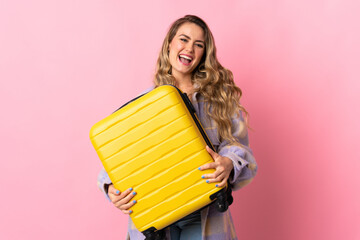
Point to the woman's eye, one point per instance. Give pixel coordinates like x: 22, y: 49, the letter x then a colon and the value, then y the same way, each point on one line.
x: 200, y: 46
x: 183, y: 39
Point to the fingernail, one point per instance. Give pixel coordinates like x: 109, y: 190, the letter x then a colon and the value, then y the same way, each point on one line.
x: 134, y: 193
x: 130, y: 211
x: 131, y: 189
x: 202, y: 176
x: 134, y: 201
x: 207, y: 181
x: 199, y: 168
x: 117, y: 191
x: 216, y: 185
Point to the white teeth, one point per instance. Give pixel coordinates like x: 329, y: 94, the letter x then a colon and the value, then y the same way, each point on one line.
x: 186, y: 57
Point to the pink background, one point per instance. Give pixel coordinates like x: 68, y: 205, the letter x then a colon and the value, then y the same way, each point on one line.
x: 64, y: 65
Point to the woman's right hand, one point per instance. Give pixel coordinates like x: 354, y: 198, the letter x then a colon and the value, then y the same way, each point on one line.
x: 122, y: 200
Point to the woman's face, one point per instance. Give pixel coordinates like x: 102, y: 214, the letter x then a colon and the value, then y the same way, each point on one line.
x: 186, y: 49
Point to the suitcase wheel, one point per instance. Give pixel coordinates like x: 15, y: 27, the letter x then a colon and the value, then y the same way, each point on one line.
x: 221, y: 203
x: 151, y: 234
x: 223, y: 199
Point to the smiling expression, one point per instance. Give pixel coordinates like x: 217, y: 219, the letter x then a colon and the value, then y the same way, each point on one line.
x: 186, y: 49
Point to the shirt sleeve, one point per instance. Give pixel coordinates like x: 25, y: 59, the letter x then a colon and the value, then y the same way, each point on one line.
x: 103, y: 180
x: 241, y: 155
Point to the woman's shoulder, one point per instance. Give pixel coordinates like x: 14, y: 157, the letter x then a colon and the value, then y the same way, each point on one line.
x: 147, y: 90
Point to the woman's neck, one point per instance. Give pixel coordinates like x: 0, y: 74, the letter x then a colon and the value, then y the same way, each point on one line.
x: 185, y: 85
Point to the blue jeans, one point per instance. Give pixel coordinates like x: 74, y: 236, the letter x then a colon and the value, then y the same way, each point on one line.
x: 187, y: 228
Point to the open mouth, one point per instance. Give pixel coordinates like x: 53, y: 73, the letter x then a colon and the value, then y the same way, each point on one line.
x: 185, y: 59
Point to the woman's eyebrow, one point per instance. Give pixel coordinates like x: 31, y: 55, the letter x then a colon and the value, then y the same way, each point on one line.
x: 185, y: 36
x: 190, y: 38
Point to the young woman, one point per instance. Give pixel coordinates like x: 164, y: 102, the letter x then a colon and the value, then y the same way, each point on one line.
x: 188, y: 60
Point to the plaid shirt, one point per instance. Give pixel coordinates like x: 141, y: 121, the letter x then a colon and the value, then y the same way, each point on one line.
x: 215, y: 225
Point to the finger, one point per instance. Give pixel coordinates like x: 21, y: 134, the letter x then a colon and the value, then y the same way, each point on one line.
x: 117, y: 196
x: 113, y: 190
x: 217, y: 179
x: 113, y: 194
x: 128, y: 205
x: 212, y: 175
x: 124, y: 199
x: 129, y: 196
x: 222, y: 183
x: 213, y: 154
x: 127, y: 211
x: 211, y: 165
x: 126, y: 192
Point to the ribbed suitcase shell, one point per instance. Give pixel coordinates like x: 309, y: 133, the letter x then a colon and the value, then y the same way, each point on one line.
x: 154, y: 145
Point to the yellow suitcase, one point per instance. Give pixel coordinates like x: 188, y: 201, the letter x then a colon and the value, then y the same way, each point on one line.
x: 155, y: 144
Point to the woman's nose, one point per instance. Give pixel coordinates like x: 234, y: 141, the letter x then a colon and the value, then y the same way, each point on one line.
x: 190, y: 47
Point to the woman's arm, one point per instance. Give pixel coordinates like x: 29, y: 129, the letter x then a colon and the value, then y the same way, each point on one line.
x: 245, y: 167
x: 233, y: 161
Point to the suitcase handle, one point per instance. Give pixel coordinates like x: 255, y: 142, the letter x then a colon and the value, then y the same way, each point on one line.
x: 192, y: 111
x: 188, y: 102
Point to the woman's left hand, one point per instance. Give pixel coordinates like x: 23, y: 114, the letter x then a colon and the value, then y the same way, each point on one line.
x: 222, y: 165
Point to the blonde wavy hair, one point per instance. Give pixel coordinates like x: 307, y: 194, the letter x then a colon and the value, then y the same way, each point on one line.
x: 214, y: 82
